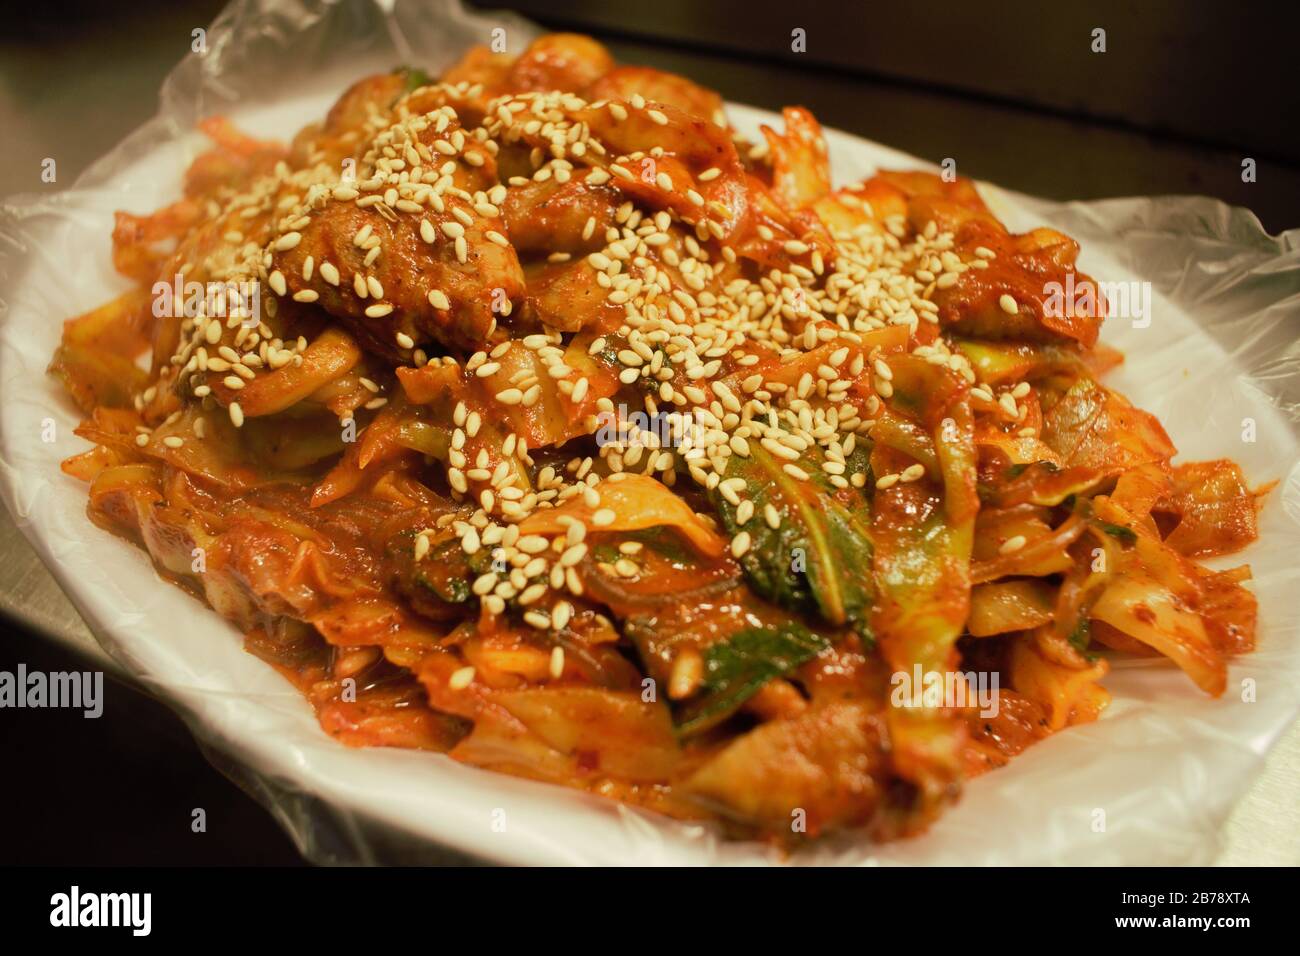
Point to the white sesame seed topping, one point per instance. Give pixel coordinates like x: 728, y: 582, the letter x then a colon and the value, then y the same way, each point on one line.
x: 1012, y: 545
x: 740, y: 544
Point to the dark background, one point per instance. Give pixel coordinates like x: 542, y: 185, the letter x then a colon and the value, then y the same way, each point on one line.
x: 117, y: 789
x: 1012, y: 91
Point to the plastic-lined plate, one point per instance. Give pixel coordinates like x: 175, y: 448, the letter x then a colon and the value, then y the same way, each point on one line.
x: 1149, y: 783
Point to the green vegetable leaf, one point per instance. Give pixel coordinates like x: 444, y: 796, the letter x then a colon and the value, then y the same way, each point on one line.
x: 736, y: 668
x: 1081, y: 636
x: 446, y: 572
x: 1015, y: 471
x: 1125, y: 535
x: 1005, y: 361
x: 415, y: 77
x: 923, y: 534
x: 439, y: 583
x: 819, y: 557
x: 1081, y: 639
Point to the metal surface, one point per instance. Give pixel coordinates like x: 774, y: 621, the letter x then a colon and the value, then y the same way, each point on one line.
x: 30, y: 595
x: 44, y: 94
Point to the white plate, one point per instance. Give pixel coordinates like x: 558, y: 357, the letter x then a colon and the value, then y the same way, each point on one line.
x: 1163, y: 765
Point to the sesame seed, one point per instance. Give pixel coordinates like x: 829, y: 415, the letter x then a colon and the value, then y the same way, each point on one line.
x: 532, y: 544
x: 740, y: 544
x: 573, y: 554
x: 1008, y: 304
x: 560, y: 617
x: 461, y: 678
x: 686, y: 674
x: 531, y: 594
x: 1012, y: 545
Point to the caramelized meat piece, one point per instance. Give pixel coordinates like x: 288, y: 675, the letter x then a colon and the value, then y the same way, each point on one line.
x: 387, y: 304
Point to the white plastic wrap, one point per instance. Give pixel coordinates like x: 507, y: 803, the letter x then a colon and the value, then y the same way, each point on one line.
x: 1165, y: 763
